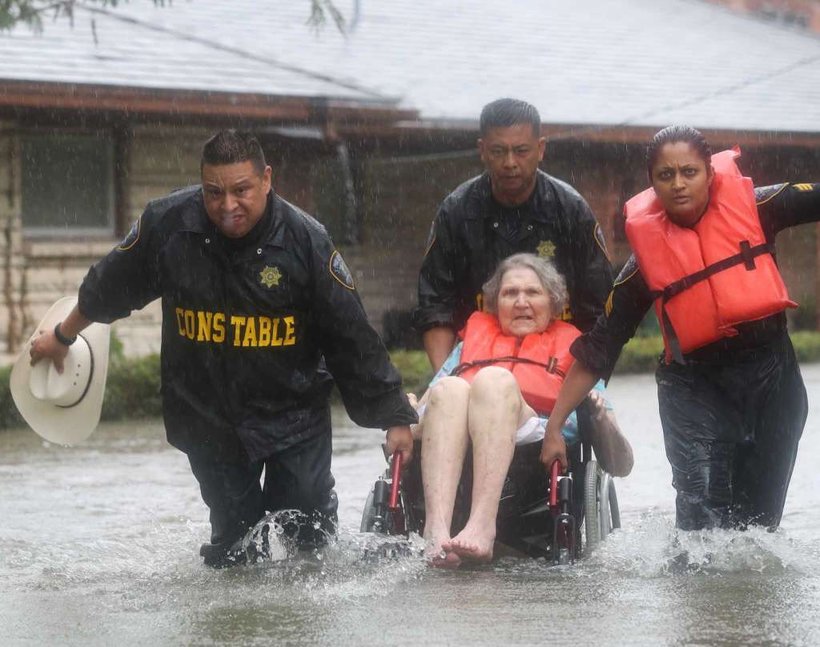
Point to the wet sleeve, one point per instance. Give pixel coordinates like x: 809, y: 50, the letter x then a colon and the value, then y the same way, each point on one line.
x: 786, y: 205
x: 593, y: 279
x: 437, y: 290
x: 126, y: 278
x: 627, y: 304
x: 369, y: 383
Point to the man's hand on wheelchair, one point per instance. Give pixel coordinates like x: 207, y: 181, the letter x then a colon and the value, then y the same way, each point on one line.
x: 553, y: 448
x: 400, y: 439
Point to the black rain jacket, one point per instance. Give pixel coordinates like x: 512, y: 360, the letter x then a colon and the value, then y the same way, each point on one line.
x: 252, y: 328
x: 467, y: 243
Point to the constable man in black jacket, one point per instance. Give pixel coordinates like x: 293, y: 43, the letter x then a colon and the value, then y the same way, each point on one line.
x: 258, y: 310
x: 513, y: 207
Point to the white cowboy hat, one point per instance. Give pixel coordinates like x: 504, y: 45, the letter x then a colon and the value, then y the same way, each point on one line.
x: 65, y: 407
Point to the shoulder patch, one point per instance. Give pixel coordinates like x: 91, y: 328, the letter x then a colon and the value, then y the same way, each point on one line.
x: 629, y: 270
x: 431, y: 238
x: 339, y: 270
x: 599, y: 238
x: 131, y: 237
x: 765, y: 193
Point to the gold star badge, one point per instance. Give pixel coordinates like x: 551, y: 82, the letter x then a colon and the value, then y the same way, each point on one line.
x: 270, y: 276
x: 546, y: 249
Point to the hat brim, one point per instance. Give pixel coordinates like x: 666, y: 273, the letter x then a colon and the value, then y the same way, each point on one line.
x: 63, y: 425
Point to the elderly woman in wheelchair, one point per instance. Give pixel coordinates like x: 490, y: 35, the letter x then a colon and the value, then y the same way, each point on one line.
x: 492, y: 394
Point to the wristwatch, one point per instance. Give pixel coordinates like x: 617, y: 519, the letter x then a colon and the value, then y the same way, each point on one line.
x: 65, y: 341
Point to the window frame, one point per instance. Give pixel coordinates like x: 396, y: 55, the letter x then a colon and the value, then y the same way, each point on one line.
x: 107, y: 139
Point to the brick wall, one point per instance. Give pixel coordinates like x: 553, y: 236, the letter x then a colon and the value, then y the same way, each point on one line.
x: 12, y: 324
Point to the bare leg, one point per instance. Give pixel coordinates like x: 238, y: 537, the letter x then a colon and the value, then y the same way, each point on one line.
x: 443, y: 448
x: 496, y: 410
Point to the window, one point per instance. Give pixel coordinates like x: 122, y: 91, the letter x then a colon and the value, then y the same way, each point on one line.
x: 67, y: 183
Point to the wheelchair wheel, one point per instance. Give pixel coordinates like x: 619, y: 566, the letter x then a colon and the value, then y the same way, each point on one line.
x: 601, y: 512
x: 368, y: 514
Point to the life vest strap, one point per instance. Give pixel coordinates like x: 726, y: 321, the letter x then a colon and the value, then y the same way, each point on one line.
x: 746, y: 256
x: 549, y: 367
x: 672, y: 339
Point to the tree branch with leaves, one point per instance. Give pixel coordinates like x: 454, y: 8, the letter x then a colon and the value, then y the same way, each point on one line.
x: 33, y: 12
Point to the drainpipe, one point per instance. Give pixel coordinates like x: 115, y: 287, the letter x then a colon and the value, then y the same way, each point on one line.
x: 8, y: 261
x: 350, y: 229
x: 350, y: 226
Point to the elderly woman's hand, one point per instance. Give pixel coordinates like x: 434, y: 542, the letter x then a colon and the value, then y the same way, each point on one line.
x: 597, y: 406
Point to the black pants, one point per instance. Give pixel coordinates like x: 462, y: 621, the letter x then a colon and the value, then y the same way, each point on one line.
x: 731, y: 428
x: 296, y: 478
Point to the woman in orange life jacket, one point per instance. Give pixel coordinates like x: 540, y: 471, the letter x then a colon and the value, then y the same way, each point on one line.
x: 492, y: 394
x: 731, y: 398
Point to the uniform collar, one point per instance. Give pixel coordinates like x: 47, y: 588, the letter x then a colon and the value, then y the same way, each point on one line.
x: 537, y: 206
x: 255, y: 237
x: 195, y: 220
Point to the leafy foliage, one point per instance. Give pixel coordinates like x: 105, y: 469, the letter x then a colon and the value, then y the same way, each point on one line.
x: 640, y: 355
x: 9, y: 416
x: 32, y: 12
x: 806, y: 345
x: 132, y: 389
x: 320, y: 10
x: 415, y: 370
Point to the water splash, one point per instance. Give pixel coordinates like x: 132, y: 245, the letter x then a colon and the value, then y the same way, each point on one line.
x: 653, y: 547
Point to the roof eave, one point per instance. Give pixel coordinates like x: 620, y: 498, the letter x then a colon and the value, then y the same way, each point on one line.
x: 627, y: 134
x: 137, y: 100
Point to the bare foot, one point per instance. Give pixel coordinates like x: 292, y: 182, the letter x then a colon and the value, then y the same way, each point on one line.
x: 472, y: 546
x: 445, y: 559
x: 440, y: 555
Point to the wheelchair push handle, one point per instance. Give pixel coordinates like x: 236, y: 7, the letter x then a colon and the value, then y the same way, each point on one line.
x: 555, y: 472
x: 395, y: 477
x: 564, y: 528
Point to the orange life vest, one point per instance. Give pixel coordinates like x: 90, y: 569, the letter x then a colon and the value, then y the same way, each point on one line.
x: 539, y: 362
x: 714, y: 275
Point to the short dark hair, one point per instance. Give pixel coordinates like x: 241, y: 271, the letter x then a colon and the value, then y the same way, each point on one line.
x: 233, y: 147
x: 503, y: 113
x: 673, y: 135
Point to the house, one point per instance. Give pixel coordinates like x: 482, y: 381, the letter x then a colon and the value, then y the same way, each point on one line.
x: 369, y: 129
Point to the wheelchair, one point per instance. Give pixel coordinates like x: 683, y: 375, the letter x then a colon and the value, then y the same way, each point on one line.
x: 554, y: 516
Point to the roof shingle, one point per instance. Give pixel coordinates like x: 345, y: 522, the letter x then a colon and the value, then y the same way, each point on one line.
x: 586, y: 62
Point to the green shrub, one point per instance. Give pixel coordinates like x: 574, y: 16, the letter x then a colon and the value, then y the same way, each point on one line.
x: 9, y: 417
x: 806, y: 345
x: 132, y: 388
x: 415, y: 369
x: 640, y: 355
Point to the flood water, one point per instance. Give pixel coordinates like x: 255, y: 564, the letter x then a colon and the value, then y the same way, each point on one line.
x: 99, y: 542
